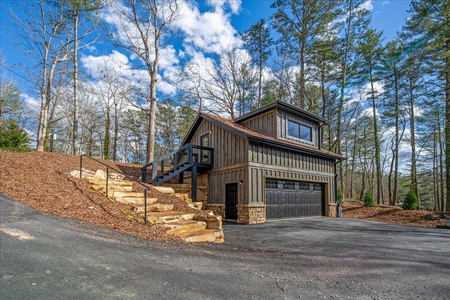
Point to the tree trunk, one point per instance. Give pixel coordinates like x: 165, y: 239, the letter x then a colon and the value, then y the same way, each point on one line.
x: 397, y: 140
x: 75, y: 136
x: 106, y: 143
x: 377, y: 142
x: 413, y: 141
x: 116, y: 131
x: 441, y: 166
x: 447, y: 125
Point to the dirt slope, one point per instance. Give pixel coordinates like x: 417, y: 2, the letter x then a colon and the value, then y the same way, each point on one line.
x: 41, y: 180
x: 391, y: 214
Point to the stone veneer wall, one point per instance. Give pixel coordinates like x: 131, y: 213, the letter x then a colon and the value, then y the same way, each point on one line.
x: 251, y: 214
x: 332, y: 210
x: 218, y: 209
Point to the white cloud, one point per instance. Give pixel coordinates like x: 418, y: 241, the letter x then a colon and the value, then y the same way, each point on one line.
x: 368, y: 5
x: 30, y: 102
x: 209, y: 31
x: 115, y: 61
x: 385, y: 3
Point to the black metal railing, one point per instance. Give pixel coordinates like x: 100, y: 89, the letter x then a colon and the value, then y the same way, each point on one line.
x: 108, y: 167
x: 179, y: 160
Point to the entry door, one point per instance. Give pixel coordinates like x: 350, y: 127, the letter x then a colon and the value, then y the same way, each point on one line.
x: 231, y: 200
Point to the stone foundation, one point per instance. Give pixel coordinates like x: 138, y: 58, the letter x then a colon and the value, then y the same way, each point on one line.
x: 217, y: 209
x: 332, y: 210
x: 251, y: 214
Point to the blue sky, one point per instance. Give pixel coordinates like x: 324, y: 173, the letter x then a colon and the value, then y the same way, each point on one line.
x: 211, y: 26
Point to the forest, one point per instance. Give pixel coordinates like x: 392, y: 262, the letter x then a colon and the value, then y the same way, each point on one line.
x: 388, y: 103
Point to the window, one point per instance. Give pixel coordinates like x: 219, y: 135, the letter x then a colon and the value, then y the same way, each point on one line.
x: 299, y: 131
x: 317, y: 187
x: 271, y: 184
x: 204, y: 154
x: 288, y: 185
x: 304, y: 186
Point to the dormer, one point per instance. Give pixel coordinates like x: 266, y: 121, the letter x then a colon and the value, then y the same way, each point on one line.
x: 286, y: 122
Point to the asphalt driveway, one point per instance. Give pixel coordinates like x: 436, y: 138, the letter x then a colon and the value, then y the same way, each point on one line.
x: 45, y: 257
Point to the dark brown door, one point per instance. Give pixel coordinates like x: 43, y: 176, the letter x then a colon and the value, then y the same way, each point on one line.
x: 231, y: 200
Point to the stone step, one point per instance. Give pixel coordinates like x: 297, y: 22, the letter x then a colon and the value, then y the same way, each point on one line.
x: 185, y: 226
x: 196, y: 205
x: 212, y: 221
x: 140, y: 208
x: 163, y: 189
x: 137, y: 202
x: 110, y: 182
x: 201, y: 236
x: 115, y: 188
x: 128, y: 195
x: 168, y: 217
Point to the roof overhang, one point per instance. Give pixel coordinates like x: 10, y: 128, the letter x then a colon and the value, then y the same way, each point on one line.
x: 286, y: 107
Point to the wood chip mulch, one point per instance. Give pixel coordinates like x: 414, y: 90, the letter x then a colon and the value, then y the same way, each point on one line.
x: 41, y: 180
x: 391, y: 214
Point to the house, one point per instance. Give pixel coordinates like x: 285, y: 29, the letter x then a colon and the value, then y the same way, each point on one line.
x: 267, y: 164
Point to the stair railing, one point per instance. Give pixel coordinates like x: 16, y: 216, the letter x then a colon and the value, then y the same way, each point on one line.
x: 166, y: 163
x: 108, y: 167
x: 188, y: 154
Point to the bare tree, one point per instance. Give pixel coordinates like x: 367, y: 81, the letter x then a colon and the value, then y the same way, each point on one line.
x: 146, y: 25
x: 45, y: 40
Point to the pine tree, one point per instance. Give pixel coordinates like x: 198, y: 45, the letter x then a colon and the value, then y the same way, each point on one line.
x: 428, y: 29
x: 258, y: 43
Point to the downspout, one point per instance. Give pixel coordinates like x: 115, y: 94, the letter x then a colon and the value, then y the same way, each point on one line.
x: 336, y: 187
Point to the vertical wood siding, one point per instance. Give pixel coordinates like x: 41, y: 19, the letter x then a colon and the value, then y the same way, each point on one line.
x: 229, y: 148
x: 291, y: 165
x: 265, y: 123
x: 217, y: 181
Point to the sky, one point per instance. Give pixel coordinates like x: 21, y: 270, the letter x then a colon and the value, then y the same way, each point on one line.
x: 209, y: 27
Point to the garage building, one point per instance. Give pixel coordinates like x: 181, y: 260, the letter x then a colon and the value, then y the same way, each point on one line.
x: 267, y: 164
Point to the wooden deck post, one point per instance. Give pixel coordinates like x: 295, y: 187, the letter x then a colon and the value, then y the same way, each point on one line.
x: 194, y: 183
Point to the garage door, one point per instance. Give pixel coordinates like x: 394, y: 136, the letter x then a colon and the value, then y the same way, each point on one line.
x: 293, y: 199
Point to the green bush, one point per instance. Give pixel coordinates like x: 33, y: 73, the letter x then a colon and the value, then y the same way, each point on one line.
x: 410, y: 201
x: 368, y: 199
x: 340, y: 196
x: 12, y: 137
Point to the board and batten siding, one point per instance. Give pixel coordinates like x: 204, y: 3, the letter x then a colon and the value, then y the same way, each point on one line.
x: 229, y: 148
x: 218, y: 180
x: 265, y: 123
x: 272, y: 162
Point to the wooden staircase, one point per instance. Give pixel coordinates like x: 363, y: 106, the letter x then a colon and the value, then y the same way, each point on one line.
x: 189, y: 226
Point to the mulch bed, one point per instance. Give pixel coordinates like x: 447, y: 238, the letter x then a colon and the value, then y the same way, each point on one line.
x: 392, y: 214
x: 41, y: 180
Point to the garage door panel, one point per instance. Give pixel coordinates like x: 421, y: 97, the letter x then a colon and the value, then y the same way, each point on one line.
x: 293, y: 203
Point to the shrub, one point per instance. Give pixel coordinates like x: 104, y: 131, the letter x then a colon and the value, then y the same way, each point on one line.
x: 368, y: 199
x: 340, y: 196
x: 12, y: 137
x: 410, y: 201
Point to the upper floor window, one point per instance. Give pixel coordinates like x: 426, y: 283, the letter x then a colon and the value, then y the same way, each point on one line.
x: 299, y: 131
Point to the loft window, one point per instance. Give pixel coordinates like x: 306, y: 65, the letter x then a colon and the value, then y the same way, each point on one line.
x: 299, y: 131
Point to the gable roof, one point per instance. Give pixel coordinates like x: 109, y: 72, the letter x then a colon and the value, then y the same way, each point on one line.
x: 285, y: 107
x: 255, y: 136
